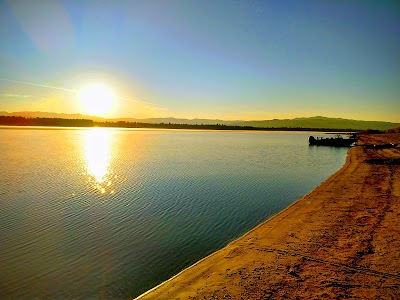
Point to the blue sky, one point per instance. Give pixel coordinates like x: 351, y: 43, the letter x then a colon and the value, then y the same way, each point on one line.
x: 206, y: 59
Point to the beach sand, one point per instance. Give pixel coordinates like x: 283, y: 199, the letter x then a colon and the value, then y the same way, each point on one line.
x: 340, y: 241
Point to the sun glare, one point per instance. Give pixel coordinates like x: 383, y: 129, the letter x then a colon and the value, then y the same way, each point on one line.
x: 96, y: 99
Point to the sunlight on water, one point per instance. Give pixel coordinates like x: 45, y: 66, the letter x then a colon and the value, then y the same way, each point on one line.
x: 179, y: 195
x: 97, y: 156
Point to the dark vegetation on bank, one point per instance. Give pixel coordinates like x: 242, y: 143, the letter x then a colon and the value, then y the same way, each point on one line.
x: 59, y: 122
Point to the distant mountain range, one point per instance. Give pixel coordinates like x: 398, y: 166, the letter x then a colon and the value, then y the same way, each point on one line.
x: 312, y: 122
x: 40, y: 114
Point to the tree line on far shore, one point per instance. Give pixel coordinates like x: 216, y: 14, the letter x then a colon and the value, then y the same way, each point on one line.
x: 59, y: 122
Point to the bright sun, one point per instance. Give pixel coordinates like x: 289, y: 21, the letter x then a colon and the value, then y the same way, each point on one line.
x: 96, y: 99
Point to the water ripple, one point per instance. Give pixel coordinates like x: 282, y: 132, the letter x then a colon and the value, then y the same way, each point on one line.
x: 110, y: 213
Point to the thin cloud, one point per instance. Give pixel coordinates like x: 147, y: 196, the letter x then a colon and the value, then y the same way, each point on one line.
x: 38, y: 85
x: 75, y: 91
x: 142, y: 102
x: 15, y: 96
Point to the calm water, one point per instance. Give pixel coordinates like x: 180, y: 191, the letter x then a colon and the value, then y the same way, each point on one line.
x: 109, y: 213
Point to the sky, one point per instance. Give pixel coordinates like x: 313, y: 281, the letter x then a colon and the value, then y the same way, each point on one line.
x: 247, y: 60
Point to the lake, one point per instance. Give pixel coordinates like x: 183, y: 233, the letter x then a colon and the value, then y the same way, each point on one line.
x: 109, y: 213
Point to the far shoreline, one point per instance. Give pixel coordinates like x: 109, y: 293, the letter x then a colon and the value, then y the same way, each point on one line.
x: 199, y: 128
x: 39, y: 127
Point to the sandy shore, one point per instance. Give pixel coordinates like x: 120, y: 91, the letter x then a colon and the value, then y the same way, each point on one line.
x: 341, y: 241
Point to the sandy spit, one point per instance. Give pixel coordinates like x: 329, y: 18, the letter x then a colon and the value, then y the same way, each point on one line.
x: 341, y: 241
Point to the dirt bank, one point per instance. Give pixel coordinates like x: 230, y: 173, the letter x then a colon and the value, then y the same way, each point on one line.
x: 341, y: 241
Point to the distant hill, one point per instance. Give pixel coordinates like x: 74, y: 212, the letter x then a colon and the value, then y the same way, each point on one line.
x: 322, y: 122
x: 312, y: 122
x: 40, y: 114
x: 177, y: 121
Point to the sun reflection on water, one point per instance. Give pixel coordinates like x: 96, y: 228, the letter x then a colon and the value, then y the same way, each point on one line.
x: 97, y: 147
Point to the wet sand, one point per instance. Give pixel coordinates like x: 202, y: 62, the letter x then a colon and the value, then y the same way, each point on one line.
x: 340, y: 241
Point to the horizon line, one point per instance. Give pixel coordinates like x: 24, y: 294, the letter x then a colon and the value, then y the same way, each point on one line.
x: 192, y: 119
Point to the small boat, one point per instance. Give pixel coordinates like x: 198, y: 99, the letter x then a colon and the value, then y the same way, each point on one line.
x: 337, y: 141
